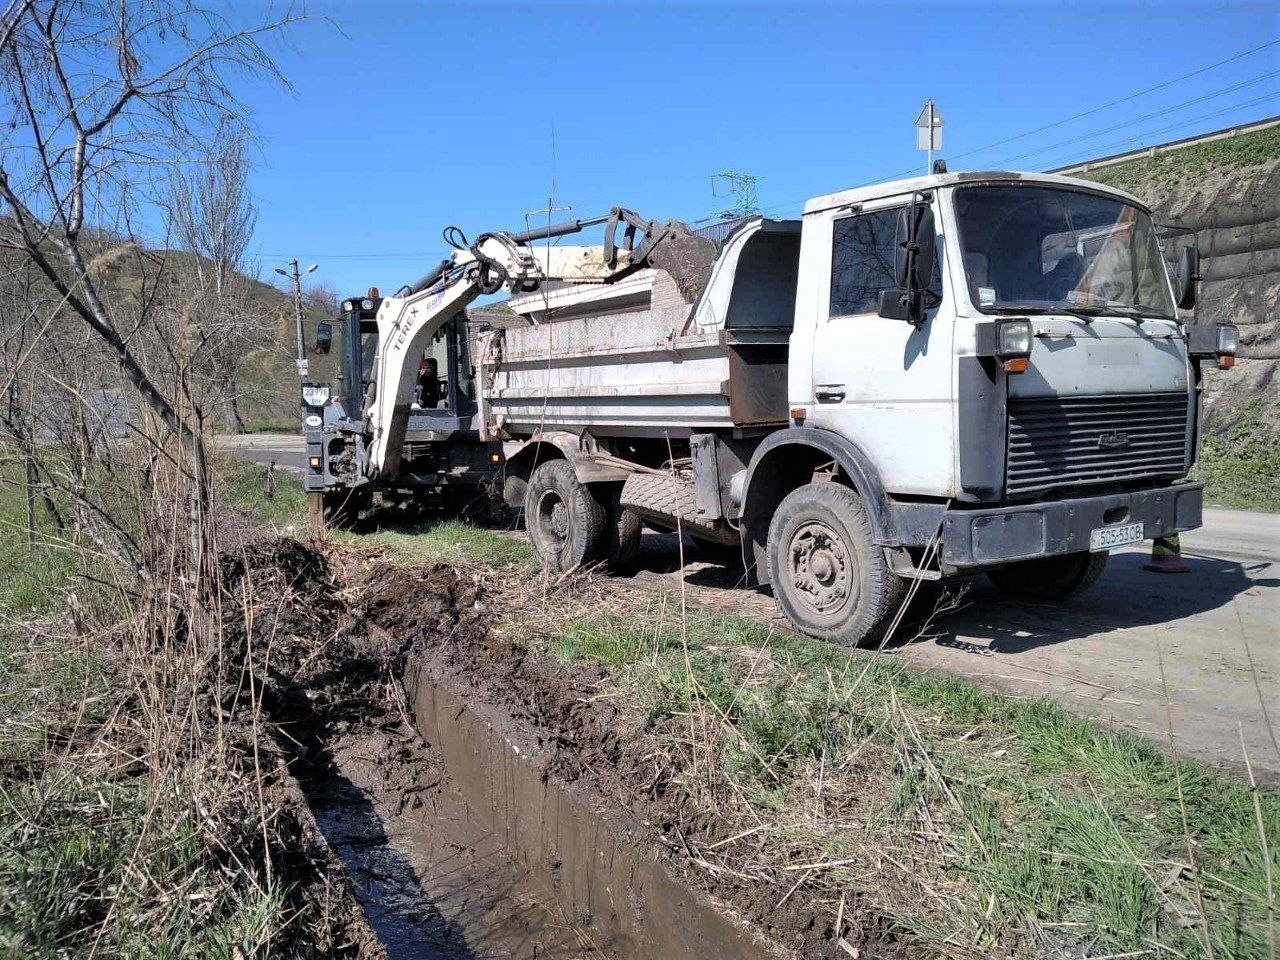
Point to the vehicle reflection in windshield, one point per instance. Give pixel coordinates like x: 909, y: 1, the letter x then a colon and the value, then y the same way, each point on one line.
x: 1043, y: 248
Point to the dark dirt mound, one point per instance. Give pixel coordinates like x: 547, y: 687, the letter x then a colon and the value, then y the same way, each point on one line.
x: 581, y: 739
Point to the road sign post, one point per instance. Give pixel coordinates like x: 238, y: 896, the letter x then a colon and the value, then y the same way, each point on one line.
x: 929, y: 133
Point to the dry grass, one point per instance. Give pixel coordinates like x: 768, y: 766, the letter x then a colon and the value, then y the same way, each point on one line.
x: 138, y: 817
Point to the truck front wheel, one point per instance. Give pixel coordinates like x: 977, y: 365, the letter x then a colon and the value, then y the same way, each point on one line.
x: 567, y: 525
x: 829, y: 577
x: 1049, y: 578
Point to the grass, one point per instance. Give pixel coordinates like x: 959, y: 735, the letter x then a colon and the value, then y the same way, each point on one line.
x: 107, y: 848
x: 270, y: 424
x: 451, y: 541
x: 32, y: 581
x: 1043, y: 819
x: 91, y: 859
x: 1189, y: 163
x: 271, y: 498
x: 1241, y: 467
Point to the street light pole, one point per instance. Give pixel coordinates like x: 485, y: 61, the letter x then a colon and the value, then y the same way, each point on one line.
x: 295, y: 275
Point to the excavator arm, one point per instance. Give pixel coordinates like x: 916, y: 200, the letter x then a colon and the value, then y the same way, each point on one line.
x: 496, y: 261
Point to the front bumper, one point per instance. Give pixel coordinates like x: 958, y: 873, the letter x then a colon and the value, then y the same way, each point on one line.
x: 979, y: 538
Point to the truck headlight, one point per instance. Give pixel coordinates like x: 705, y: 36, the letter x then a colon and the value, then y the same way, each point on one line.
x: 348, y: 306
x: 1013, y: 338
x: 1013, y: 344
x: 315, y: 394
x: 366, y: 304
x: 1221, y: 341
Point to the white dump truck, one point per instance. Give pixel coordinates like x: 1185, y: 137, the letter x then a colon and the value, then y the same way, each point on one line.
x: 958, y: 373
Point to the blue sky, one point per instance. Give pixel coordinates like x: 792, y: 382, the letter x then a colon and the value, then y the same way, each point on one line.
x: 406, y: 117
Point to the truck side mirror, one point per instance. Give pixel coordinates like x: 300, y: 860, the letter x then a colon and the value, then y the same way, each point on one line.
x: 1187, y: 274
x: 324, y: 337
x: 915, y: 251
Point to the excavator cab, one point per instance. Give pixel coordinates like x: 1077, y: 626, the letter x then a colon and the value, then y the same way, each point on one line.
x: 443, y: 458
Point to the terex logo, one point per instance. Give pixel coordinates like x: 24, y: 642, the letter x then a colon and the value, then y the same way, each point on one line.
x: 1114, y: 440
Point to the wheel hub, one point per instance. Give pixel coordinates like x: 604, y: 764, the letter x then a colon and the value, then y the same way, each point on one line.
x: 560, y: 520
x: 821, y: 568
x: 553, y: 517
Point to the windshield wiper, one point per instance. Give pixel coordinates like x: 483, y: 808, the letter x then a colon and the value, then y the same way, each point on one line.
x: 1141, y: 314
x: 1083, y: 314
x: 1015, y: 308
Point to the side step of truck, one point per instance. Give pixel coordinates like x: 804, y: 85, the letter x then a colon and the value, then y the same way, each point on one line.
x: 664, y: 500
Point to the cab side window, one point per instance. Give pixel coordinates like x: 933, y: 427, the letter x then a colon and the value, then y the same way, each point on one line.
x: 862, y: 262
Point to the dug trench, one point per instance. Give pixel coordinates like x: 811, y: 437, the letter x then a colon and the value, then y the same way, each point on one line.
x: 478, y: 791
x: 432, y: 881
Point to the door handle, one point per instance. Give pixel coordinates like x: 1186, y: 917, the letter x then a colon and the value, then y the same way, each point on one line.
x: 829, y: 393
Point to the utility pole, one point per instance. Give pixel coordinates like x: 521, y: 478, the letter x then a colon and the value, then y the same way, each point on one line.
x: 296, y: 276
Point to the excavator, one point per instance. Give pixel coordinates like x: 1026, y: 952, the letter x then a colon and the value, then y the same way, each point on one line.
x: 403, y: 421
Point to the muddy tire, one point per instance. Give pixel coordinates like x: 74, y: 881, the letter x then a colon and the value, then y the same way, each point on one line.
x: 514, y: 491
x: 829, y: 578
x: 1049, y: 578
x: 567, y: 524
x: 624, y: 546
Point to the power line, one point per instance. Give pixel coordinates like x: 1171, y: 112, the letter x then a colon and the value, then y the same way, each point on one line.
x: 1114, y: 103
x: 1182, y: 123
x: 1077, y: 116
x: 1159, y: 113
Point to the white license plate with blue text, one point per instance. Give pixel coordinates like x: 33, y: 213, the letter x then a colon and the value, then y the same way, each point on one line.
x: 1108, y: 538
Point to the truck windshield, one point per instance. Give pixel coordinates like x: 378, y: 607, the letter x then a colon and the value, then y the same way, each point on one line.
x: 1046, y: 248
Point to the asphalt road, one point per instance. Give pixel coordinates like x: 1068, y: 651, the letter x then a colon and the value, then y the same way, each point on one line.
x: 286, y: 450
x: 1190, y: 660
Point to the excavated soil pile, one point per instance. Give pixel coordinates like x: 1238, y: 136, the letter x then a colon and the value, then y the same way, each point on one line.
x: 562, y: 719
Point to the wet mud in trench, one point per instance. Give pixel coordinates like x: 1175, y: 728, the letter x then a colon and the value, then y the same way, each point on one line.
x: 433, y: 883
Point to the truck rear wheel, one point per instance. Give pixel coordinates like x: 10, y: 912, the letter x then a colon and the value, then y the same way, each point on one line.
x: 1049, y: 578
x: 626, y: 526
x: 829, y: 577
x: 567, y: 525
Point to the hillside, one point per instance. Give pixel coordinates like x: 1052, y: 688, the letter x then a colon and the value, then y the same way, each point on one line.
x: 257, y: 322
x: 1228, y: 192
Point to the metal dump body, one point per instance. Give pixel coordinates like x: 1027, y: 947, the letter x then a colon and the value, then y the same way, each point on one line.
x: 635, y: 358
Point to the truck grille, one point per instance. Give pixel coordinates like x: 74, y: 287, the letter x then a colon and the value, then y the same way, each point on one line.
x: 1073, y: 441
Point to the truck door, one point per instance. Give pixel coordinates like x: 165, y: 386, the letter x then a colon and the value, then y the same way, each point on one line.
x: 884, y: 384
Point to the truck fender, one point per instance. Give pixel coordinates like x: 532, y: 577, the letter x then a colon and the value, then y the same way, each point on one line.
x: 786, y: 460
x: 519, y: 466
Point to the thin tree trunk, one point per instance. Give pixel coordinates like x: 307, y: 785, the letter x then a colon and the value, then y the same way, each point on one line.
x: 29, y: 469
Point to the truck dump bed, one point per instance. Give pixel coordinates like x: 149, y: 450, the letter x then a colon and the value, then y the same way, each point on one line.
x: 636, y: 358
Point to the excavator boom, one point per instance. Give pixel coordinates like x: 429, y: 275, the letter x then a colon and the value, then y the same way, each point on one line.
x: 406, y: 323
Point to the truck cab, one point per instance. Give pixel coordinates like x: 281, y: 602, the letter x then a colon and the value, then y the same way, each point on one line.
x: 999, y: 360
x: 443, y: 456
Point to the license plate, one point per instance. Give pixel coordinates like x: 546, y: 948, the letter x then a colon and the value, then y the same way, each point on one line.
x: 1108, y: 538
